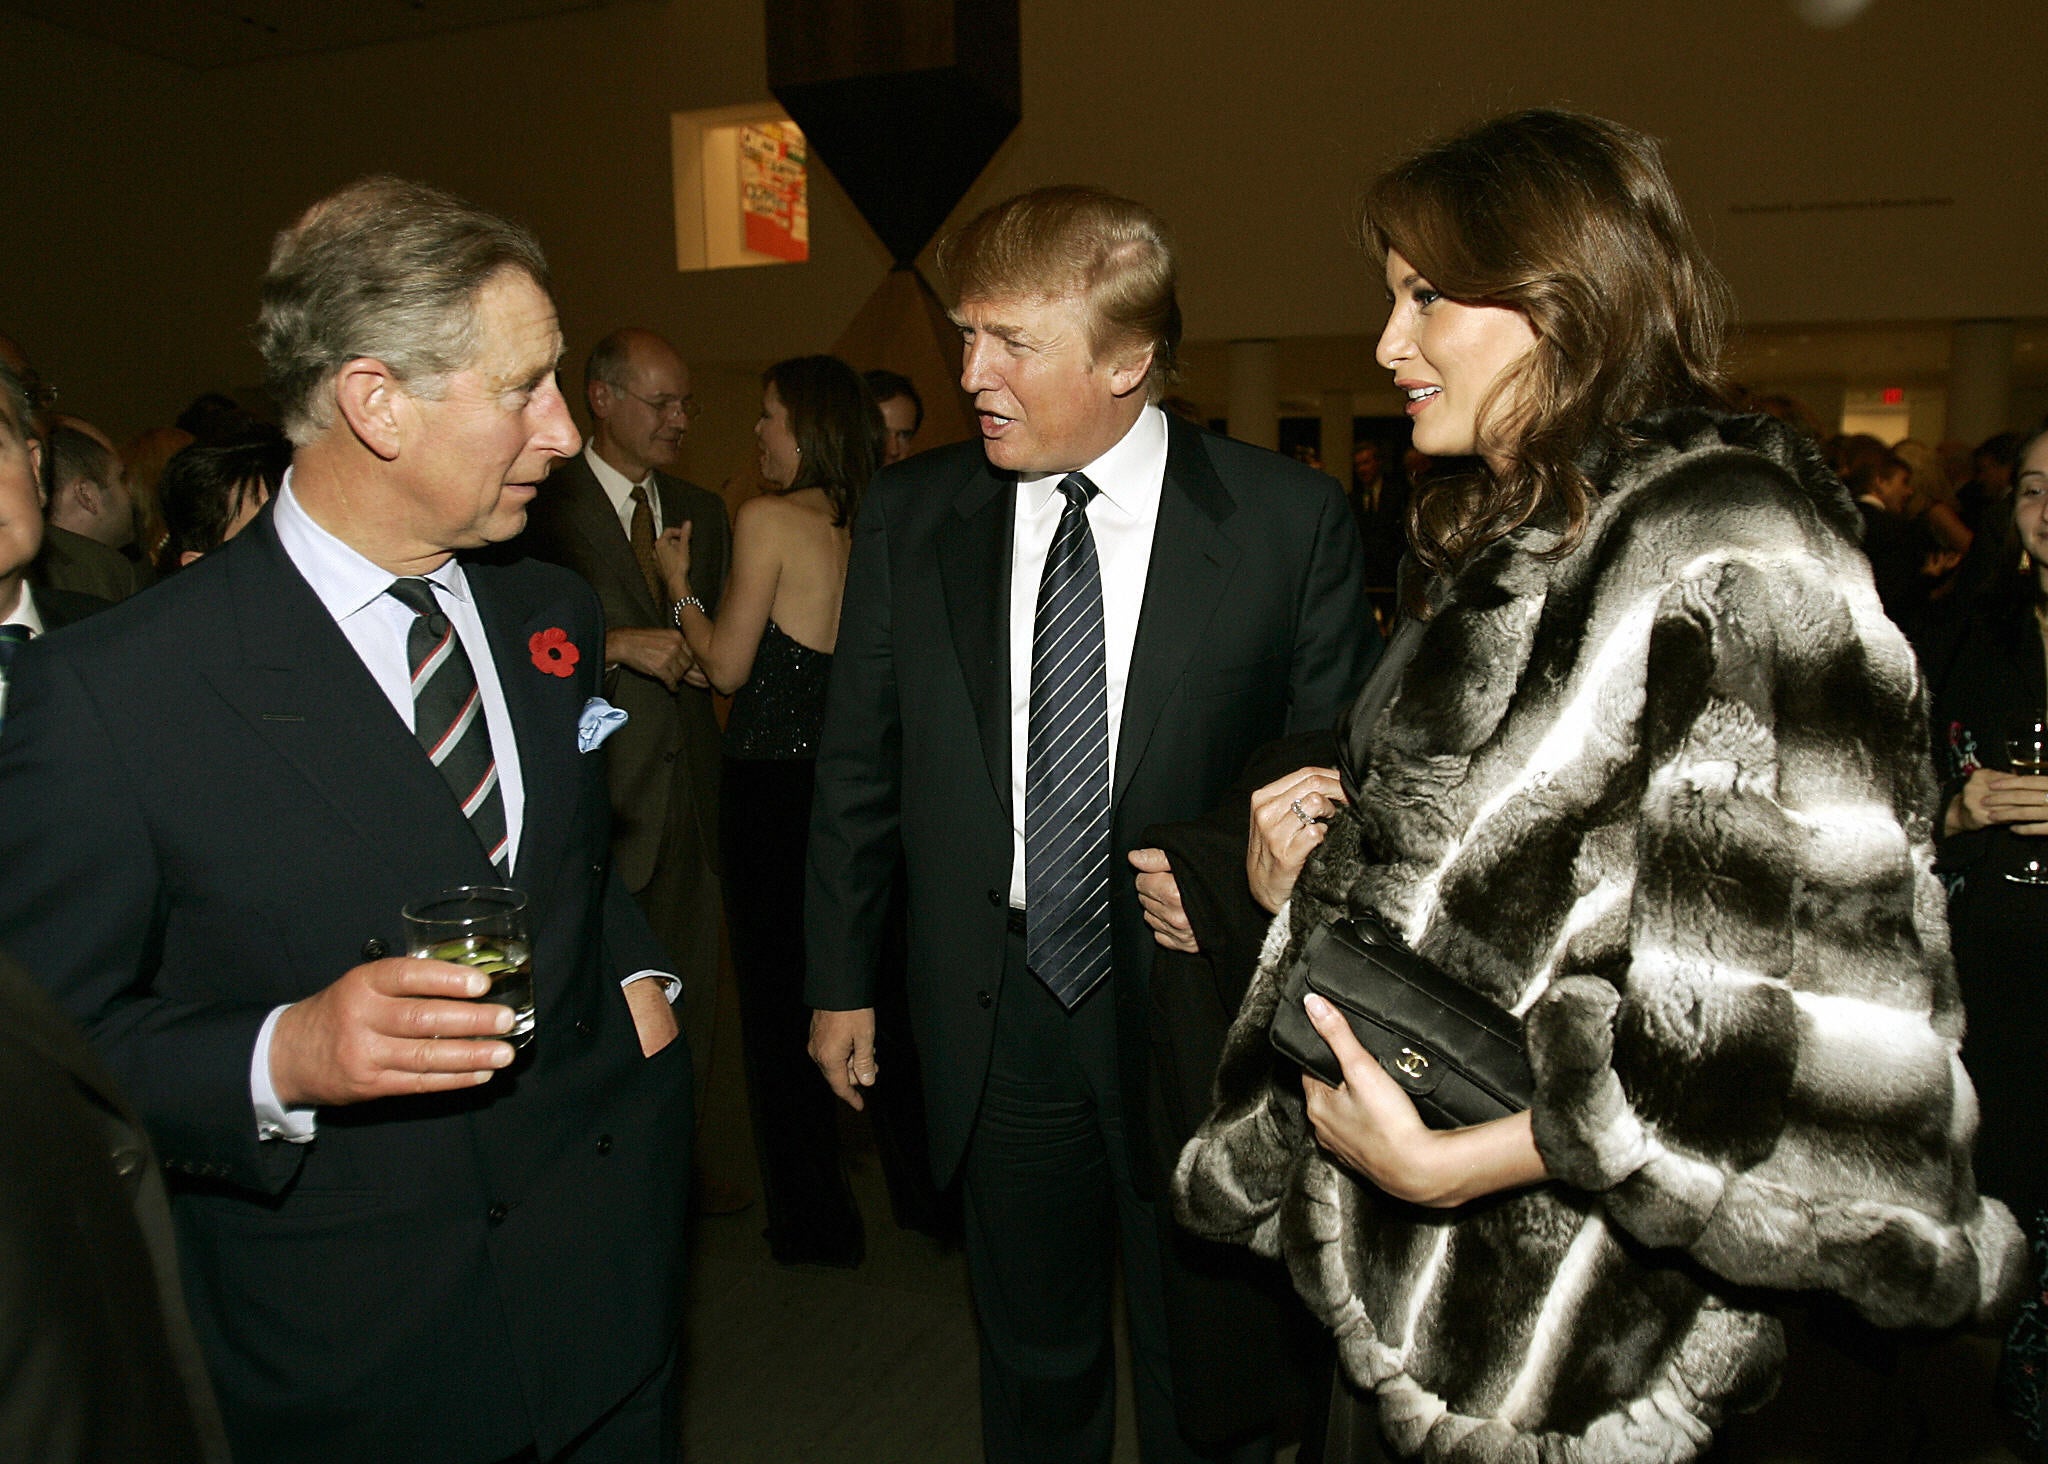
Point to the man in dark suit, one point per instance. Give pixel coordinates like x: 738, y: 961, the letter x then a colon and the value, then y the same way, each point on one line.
x: 1077, y: 627
x: 216, y: 799
x: 26, y: 611
x: 600, y: 514
x: 101, y: 1364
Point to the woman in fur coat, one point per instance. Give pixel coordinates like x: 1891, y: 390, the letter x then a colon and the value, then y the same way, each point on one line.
x: 1656, y: 782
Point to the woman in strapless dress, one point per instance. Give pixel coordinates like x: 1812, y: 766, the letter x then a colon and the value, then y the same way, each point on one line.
x: 770, y: 649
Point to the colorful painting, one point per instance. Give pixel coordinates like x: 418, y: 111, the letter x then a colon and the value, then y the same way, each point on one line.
x: 774, y: 192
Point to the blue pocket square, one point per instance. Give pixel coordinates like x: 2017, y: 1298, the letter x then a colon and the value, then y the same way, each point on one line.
x: 599, y: 720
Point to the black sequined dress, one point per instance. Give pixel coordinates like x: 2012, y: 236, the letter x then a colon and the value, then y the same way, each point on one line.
x: 771, y: 739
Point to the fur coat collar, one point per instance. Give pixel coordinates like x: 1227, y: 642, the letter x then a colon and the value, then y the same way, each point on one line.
x: 1667, y: 797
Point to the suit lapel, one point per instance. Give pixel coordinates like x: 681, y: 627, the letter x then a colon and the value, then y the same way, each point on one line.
x: 304, y: 691
x: 1191, y: 562
x: 545, y: 735
x: 584, y: 498
x: 974, y: 567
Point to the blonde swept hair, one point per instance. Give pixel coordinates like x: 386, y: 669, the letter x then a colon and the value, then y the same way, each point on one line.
x: 1074, y: 241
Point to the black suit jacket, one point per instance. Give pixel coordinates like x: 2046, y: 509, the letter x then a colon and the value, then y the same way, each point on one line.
x: 668, y: 748
x: 1253, y: 624
x: 208, y: 808
x: 97, y: 1359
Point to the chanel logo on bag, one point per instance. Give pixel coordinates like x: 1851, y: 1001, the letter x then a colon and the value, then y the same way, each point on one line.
x: 1412, y: 1062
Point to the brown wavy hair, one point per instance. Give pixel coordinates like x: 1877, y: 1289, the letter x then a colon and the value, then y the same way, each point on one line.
x: 837, y: 427
x: 1572, y: 221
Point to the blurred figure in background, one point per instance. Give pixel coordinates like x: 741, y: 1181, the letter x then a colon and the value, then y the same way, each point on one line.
x: 1989, y: 692
x: 600, y: 513
x: 770, y: 648
x: 1991, y: 471
x: 142, y: 461
x: 1931, y: 505
x: 209, y: 494
x: 1379, y: 506
x: 26, y: 611
x: 1896, y: 547
x: 902, y: 412
x: 88, y: 492
x: 75, y: 452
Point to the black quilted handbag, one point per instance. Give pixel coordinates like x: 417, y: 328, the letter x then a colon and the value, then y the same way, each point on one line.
x: 1459, y: 1056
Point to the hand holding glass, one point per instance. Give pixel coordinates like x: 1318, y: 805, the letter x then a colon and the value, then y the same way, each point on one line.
x: 482, y: 927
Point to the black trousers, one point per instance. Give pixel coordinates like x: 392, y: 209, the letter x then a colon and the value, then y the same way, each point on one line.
x: 765, y: 818
x: 1049, y: 1204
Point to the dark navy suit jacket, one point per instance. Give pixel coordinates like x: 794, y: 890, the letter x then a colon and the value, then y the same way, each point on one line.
x: 208, y: 808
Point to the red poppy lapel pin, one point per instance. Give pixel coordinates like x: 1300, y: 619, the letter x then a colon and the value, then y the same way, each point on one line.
x: 553, y: 651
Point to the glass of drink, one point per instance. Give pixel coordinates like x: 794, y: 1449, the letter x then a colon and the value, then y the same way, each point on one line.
x: 2026, y: 748
x: 483, y: 927
x: 2026, y: 751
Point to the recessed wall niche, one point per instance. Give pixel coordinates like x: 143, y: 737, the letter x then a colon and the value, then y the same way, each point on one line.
x: 741, y: 188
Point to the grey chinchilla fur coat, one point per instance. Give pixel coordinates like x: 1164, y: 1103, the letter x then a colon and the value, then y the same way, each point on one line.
x: 1669, y: 798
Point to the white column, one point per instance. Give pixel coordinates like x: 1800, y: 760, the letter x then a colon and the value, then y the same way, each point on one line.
x: 1255, y: 392
x: 1980, y: 356
x: 1337, y: 435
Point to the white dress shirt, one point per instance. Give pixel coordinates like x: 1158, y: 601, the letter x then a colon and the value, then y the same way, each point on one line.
x: 25, y: 611
x: 619, y: 489
x: 1121, y: 517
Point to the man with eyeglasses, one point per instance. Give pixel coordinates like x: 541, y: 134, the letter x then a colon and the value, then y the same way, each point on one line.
x: 601, y: 513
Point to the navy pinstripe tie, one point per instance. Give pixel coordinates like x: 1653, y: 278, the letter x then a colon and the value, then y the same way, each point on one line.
x: 448, y: 715
x: 1066, y: 769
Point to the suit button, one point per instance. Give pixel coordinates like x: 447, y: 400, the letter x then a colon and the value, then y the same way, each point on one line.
x: 497, y: 1213
x: 375, y: 949
x: 597, y: 868
x: 584, y: 1029
x: 669, y: 756
x: 995, y: 897
x: 983, y: 1000
x: 127, y: 1161
x: 604, y: 1144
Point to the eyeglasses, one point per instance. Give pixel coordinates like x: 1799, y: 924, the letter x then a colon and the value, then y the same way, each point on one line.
x: 663, y: 405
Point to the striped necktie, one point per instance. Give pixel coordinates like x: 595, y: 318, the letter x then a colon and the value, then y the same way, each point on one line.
x: 1066, y: 767
x: 12, y: 639
x: 448, y: 716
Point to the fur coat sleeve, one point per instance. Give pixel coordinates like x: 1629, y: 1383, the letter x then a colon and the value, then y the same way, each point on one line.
x: 1666, y: 797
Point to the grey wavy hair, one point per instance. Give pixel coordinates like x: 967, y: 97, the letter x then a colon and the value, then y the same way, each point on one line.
x: 387, y: 269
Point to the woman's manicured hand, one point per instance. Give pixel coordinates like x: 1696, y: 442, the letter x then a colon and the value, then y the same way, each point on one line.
x: 1371, y: 1125
x: 1286, y: 828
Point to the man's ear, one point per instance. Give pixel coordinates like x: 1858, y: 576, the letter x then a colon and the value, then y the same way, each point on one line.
x: 70, y: 491
x: 35, y: 471
x: 600, y: 397
x: 373, y: 404
x: 1128, y: 374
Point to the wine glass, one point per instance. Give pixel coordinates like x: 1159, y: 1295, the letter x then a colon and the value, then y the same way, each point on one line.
x: 2026, y: 751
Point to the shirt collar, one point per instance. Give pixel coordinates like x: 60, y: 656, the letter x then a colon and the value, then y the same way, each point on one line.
x: 617, y: 486
x: 25, y: 612
x: 1123, y: 474
x: 346, y: 582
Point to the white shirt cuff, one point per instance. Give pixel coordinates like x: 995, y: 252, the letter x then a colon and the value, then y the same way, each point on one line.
x: 671, y: 986
x: 273, y: 1119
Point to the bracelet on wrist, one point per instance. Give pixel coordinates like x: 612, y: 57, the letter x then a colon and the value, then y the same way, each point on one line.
x: 675, y: 609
